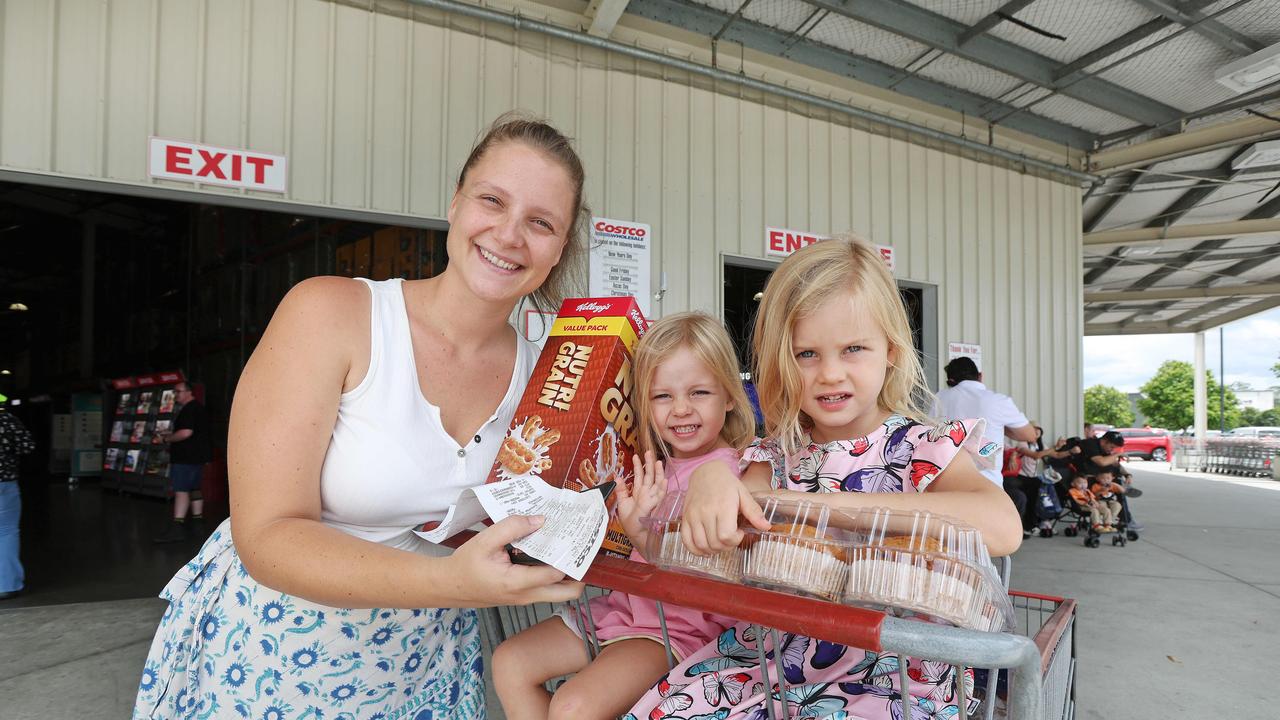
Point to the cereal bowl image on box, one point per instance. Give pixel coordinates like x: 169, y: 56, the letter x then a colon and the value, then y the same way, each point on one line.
x: 666, y: 547
x: 802, y: 553
x: 925, y: 564
x: 524, y: 450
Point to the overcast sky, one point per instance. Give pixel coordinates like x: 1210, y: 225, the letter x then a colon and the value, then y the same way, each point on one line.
x: 1127, y: 362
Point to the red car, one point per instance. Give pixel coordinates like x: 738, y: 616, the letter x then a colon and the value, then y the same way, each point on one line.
x: 1147, y: 443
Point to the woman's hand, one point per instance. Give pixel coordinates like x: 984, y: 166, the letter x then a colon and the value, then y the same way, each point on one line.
x: 482, y: 575
x: 712, y: 504
x: 648, y: 489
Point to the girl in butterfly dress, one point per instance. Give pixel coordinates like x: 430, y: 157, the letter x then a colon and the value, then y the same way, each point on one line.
x: 694, y: 412
x: 841, y: 390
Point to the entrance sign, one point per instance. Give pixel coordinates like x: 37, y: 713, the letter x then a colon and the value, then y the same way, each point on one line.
x: 780, y: 242
x: 620, y: 260
x: 206, y: 164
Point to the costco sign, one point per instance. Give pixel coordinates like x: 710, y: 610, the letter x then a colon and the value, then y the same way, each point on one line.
x: 206, y: 164
x: 780, y: 242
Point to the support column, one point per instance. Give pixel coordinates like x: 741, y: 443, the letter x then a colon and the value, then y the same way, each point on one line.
x: 1202, y: 393
x: 88, y: 264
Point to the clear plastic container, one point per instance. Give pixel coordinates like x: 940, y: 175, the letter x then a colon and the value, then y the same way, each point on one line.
x: 665, y: 547
x: 802, y: 553
x: 924, y: 563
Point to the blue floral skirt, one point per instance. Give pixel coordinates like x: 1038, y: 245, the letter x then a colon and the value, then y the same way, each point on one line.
x: 228, y: 647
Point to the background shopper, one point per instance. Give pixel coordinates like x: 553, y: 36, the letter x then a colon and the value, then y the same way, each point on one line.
x: 15, y: 440
x: 190, y: 449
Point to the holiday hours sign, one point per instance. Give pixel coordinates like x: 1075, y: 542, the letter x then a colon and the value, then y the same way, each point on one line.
x: 620, y: 260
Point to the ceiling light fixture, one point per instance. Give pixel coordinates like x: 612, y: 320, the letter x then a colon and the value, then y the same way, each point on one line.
x: 18, y: 307
x: 5, y: 372
x: 1139, y: 250
x: 1252, y: 72
x: 1258, y: 155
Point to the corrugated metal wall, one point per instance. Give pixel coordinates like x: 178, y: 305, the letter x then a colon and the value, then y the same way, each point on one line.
x: 377, y: 112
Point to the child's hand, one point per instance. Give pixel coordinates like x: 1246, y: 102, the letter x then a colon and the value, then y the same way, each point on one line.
x: 639, y: 500
x: 711, y: 507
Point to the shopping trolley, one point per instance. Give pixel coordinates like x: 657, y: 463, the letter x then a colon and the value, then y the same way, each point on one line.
x: 1039, y: 658
x: 1248, y: 457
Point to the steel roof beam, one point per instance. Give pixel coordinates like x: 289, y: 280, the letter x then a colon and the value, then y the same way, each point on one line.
x: 604, y: 16
x: 1263, y: 212
x: 1225, y: 134
x: 1198, y: 312
x: 1129, y: 182
x: 1216, y: 109
x: 761, y: 38
x: 1147, y: 328
x: 1238, y: 314
x: 943, y: 33
x: 1188, y: 15
x: 1186, y: 202
x: 1068, y: 72
x: 1177, y: 210
x: 1193, y: 293
x: 1217, y: 174
x: 1205, y: 231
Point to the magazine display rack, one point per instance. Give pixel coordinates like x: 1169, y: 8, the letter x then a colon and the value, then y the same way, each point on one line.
x: 140, y: 408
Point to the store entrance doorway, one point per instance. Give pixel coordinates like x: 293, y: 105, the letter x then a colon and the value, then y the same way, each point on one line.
x: 117, y: 287
x: 744, y: 281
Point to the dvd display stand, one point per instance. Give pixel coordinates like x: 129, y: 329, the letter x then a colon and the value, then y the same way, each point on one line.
x: 141, y: 408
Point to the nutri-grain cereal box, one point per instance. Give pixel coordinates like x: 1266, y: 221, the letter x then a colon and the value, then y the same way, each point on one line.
x: 576, y: 427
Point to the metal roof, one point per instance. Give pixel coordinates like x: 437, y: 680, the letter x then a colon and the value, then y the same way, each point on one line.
x: 1090, y: 74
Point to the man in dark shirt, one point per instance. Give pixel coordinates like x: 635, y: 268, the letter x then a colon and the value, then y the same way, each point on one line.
x: 15, y: 440
x: 1100, y: 453
x: 190, y: 449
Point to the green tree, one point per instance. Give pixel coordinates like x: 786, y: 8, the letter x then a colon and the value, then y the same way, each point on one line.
x: 1108, y: 406
x: 1253, y: 416
x: 1168, y: 398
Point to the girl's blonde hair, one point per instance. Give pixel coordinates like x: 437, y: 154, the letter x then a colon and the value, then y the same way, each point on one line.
x: 707, y: 338
x: 802, y: 284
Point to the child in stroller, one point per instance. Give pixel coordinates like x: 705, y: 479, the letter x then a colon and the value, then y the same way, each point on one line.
x: 1098, y: 504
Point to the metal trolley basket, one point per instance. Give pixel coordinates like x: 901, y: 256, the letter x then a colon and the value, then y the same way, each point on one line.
x: 1039, y: 657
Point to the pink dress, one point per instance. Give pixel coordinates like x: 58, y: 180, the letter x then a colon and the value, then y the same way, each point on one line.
x: 619, y: 616
x: 826, y: 680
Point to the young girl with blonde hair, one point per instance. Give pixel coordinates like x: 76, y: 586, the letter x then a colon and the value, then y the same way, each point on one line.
x: 695, y: 412
x: 842, y: 392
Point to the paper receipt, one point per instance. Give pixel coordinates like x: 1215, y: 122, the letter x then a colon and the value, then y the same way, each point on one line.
x: 568, y: 540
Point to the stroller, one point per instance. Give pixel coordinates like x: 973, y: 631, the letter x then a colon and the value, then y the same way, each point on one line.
x: 1054, y: 507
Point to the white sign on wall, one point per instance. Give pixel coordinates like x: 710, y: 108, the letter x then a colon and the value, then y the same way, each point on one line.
x: 620, y: 260
x: 780, y: 242
x: 206, y: 164
x: 963, y: 349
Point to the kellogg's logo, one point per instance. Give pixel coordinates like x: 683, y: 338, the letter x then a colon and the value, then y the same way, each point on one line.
x: 607, y: 227
x: 593, y: 307
x: 638, y: 320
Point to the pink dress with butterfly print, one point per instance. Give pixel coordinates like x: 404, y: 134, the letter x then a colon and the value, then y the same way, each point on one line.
x: 826, y: 680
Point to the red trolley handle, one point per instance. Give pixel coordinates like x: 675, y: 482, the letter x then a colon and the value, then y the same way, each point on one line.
x: 829, y: 621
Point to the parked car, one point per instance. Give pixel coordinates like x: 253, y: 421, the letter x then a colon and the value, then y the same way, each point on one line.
x: 1255, y: 431
x: 1147, y: 443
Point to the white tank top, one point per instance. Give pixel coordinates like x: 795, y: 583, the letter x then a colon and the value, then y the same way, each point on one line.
x: 390, y: 465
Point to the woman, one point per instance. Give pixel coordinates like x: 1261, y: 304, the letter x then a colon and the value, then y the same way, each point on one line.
x: 363, y: 412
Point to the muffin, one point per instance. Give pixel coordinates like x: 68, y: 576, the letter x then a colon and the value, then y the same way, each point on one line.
x: 667, y: 551
x: 925, y: 564
x: 800, y: 557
